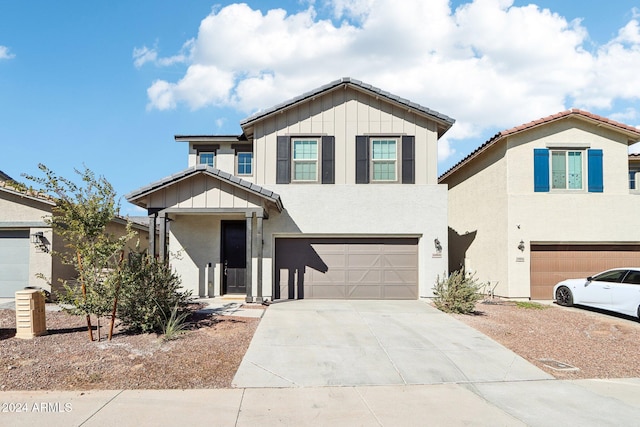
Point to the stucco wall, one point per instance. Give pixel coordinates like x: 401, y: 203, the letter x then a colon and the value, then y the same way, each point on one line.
x: 364, y: 209
x: 345, y: 114
x: 319, y: 209
x: 478, y: 219
x: 18, y: 212
x: 504, y: 179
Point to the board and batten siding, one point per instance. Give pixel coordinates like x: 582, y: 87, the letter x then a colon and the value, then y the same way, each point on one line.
x: 200, y: 191
x: 344, y: 114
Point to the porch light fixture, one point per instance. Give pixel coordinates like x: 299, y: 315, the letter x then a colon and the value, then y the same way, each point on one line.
x: 521, y: 246
x: 39, y: 241
x: 437, y: 244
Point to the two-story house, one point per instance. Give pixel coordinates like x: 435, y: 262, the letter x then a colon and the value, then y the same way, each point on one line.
x: 545, y: 201
x: 332, y: 194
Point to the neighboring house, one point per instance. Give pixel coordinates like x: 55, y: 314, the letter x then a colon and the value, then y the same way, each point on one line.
x: 332, y: 194
x: 26, y: 241
x: 545, y: 201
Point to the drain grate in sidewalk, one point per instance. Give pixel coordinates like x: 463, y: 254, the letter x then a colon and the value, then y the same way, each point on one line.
x: 558, y: 366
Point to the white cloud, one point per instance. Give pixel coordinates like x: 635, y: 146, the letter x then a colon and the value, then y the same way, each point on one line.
x: 488, y: 64
x: 5, y: 54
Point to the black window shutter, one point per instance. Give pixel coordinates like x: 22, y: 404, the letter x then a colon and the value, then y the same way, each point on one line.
x: 362, y: 159
x: 328, y: 159
x: 408, y: 159
x: 283, y: 154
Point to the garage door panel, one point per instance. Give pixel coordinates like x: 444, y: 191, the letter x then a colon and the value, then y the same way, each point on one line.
x: 353, y: 268
x: 14, y: 261
x: 551, y: 264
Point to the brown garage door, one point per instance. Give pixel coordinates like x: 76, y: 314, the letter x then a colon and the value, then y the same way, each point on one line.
x: 339, y: 268
x: 552, y: 263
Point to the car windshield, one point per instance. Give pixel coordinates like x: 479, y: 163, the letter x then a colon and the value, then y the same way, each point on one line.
x: 610, y: 276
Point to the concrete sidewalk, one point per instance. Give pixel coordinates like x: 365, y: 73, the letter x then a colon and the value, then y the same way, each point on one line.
x: 511, y: 403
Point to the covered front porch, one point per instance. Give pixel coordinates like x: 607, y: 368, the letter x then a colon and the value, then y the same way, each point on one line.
x: 211, y: 230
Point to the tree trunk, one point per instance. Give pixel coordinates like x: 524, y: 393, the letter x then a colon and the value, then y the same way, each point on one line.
x: 84, y: 294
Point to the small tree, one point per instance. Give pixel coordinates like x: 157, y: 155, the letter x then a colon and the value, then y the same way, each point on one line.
x: 80, y: 217
x: 457, y: 293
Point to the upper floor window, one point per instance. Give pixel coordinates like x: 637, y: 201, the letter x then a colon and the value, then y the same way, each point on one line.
x: 566, y: 169
x: 245, y: 163
x: 305, y: 159
x: 633, y: 185
x: 207, y: 158
x: 384, y: 159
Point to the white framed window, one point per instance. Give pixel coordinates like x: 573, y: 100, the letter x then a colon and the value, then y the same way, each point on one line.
x: 304, y: 159
x: 207, y: 158
x: 384, y: 159
x: 244, y: 163
x: 567, y: 169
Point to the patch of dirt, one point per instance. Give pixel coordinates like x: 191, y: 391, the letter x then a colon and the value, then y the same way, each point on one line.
x: 207, y: 355
x: 599, y: 344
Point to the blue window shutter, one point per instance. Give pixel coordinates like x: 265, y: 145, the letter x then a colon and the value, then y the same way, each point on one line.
x: 594, y: 168
x: 540, y: 170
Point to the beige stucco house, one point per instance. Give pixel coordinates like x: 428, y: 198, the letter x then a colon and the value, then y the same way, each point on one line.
x: 27, y: 242
x: 332, y: 194
x: 545, y: 201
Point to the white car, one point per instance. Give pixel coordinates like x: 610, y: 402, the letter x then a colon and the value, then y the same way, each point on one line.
x: 615, y: 290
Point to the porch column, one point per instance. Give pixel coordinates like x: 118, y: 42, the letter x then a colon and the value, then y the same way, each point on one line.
x: 162, y: 249
x: 249, y: 217
x: 259, y: 247
x: 152, y: 234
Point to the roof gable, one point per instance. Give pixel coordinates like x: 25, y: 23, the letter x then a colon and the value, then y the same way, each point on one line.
x: 632, y: 133
x: 444, y: 122
x: 136, y: 197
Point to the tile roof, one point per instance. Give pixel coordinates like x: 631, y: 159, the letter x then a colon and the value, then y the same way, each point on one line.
x: 5, y: 177
x: 445, y: 120
x: 633, y: 132
x: 211, y: 171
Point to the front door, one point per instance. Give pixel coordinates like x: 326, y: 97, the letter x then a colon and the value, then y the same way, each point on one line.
x: 234, y: 257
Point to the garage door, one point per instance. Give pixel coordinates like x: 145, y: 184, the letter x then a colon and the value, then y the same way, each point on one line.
x: 14, y: 261
x: 552, y: 263
x: 338, y: 268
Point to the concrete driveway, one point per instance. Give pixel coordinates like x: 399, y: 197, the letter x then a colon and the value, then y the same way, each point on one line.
x: 309, y: 343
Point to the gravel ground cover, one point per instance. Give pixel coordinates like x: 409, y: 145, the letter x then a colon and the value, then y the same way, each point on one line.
x: 568, y: 343
x: 207, y: 355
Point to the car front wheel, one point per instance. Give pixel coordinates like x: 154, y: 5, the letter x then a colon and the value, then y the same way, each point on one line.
x: 564, y: 296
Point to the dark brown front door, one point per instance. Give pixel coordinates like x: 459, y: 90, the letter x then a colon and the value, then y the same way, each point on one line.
x: 234, y: 257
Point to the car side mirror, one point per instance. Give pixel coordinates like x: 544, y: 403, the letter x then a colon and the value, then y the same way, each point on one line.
x: 589, y: 279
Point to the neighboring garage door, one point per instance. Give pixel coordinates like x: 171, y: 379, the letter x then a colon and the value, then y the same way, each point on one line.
x: 14, y: 261
x: 344, y: 268
x: 551, y: 264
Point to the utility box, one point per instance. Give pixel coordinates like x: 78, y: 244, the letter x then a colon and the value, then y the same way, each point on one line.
x: 30, y: 317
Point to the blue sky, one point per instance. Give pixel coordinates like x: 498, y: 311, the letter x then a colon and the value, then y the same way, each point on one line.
x: 107, y: 84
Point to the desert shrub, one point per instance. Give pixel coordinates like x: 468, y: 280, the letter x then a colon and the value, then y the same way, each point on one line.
x: 148, y: 290
x: 175, y: 324
x: 457, y: 293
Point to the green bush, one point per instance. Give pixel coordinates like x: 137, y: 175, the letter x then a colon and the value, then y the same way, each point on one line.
x: 148, y: 289
x: 457, y: 293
